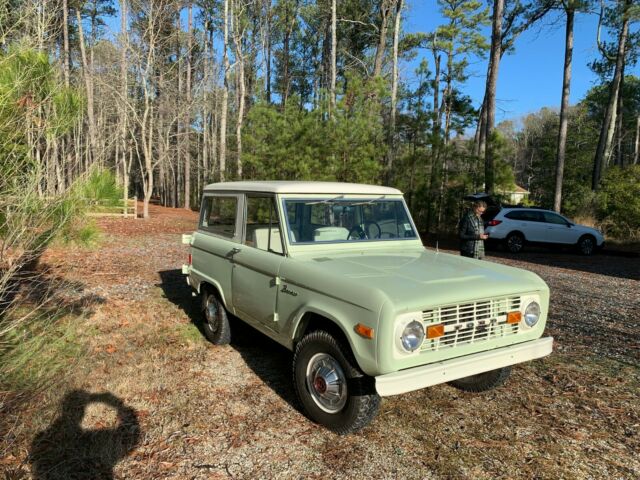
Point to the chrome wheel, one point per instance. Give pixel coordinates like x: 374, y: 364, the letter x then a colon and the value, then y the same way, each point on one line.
x: 326, y: 383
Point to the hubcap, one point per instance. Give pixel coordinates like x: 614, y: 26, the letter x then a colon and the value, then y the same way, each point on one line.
x: 326, y: 383
x: 211, y: 312
x: 515, y: 243
x: 587, y: 245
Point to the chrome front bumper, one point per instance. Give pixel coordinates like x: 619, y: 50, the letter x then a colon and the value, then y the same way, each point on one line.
x: 448, y: 370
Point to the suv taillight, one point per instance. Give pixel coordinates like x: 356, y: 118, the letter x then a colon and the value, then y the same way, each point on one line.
x: 493, y: 223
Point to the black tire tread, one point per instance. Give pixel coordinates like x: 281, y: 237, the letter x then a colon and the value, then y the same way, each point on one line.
x: 367, y: 401
x: 222, y: 336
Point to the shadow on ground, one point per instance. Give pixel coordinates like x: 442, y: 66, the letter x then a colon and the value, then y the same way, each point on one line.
x: 67, y: 451
x: 269, y: 360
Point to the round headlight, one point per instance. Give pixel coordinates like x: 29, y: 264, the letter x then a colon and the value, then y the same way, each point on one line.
x: 412, y: 336
x: 532, y: 314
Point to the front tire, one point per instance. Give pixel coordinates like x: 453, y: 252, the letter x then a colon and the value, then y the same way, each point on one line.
x: 587, y: 245
x: 483, y: 381
x: 215, y: 319
x: 332, y: 389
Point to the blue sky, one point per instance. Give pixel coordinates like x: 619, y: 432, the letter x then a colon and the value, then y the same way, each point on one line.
x: 530, y: 78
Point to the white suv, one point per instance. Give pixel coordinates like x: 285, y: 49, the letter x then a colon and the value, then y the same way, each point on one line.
x: 516, y: 226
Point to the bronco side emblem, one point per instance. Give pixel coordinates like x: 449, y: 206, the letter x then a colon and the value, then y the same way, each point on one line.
x: 290, y: 292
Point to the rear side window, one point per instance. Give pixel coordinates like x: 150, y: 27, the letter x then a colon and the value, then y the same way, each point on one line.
x: 553, y: 218
x: 525, y: 215
x: 219, y: 215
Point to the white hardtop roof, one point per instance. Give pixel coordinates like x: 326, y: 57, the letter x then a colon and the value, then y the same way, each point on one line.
x: 302, y: 187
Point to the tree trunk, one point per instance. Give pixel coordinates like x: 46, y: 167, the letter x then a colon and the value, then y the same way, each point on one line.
x: 225, y: 93
x: 88, y: 79
x: 126, y: 166
x: 267, y: 78
x: 238, y: 38
x: 619, y: 118
x: 636, y: 150
x: 334, y: 46
x: 394, y: 93
x: 564, y: 109
x: 65, y: 37
x: 385, y: 8
x: 608, y: 124
x: 492, y: 82
x: 187, y: 123
x: 435, y: 142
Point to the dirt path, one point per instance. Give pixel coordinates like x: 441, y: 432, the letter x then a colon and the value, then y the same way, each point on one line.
x: 200, y: 411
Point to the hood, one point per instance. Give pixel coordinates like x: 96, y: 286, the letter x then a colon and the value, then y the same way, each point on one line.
x: 417, y: 278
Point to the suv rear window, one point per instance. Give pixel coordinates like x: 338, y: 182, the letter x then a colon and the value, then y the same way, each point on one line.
x: 525, y: 215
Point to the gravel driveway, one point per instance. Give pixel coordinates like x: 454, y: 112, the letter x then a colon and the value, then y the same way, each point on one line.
x: 197, y: 411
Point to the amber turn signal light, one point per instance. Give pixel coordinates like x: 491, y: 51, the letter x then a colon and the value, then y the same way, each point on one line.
x: 435, y: 331
x: 514, y: 317
x: 364, y: 331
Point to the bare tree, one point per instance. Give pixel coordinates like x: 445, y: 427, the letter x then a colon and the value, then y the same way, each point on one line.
x: 238, y: 38
x: 88, y: 80
x: 394, y: 93
x: 225, y: 93
x: 187, y: 123
x: 564, y: 105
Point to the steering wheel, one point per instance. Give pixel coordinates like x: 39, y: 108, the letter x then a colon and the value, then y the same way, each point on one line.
x: 360, y: 233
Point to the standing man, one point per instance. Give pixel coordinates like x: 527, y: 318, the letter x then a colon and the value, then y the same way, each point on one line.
x: 471, y: 232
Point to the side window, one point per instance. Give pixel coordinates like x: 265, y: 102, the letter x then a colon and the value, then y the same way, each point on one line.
x: 515, y: 215
x: 263, y: 227
x: 219, y: 215
x: 553, y: 218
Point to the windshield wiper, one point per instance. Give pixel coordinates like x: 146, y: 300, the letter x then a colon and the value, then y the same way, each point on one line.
x: 328, y: 200
x: 368, y: 202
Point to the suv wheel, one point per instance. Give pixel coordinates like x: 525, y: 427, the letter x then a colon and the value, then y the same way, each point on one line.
x: 483, y: 381
x: 215, y: 319
x: 514, y: 242
x: 332, y: 389
x: 587, y: 245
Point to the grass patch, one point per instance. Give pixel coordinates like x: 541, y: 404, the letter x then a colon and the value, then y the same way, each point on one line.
x: 189, y: 333
x: 83, y: 233
x: 34, y: 354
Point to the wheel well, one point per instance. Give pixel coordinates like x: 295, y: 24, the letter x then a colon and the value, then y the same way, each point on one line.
x: 586, y: 235
x: 311, y: 322
x: 204, y: 286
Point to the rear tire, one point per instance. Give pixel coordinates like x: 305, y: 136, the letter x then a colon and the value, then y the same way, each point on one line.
x: 483, y: 381
x: 215, y: 319
x: 514, y: 242
x: 333, y: 391
x: 587, y: 245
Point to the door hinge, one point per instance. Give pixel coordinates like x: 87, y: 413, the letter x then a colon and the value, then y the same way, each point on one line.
x: 276, y: 317
x: 277, y: 281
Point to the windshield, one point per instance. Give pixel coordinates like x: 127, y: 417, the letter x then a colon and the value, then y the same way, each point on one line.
x: 340, y: 220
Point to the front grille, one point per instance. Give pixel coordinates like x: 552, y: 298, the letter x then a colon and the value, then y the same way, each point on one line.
x: 472, y: 322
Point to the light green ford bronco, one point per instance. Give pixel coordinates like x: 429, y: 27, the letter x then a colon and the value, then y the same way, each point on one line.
x: 337, y: 273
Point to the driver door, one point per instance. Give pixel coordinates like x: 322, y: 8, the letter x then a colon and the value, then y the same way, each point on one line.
x: 257, y: 263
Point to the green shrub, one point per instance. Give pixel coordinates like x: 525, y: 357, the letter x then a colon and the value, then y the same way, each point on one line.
x: 618, y: 202
x: 100, y: 188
